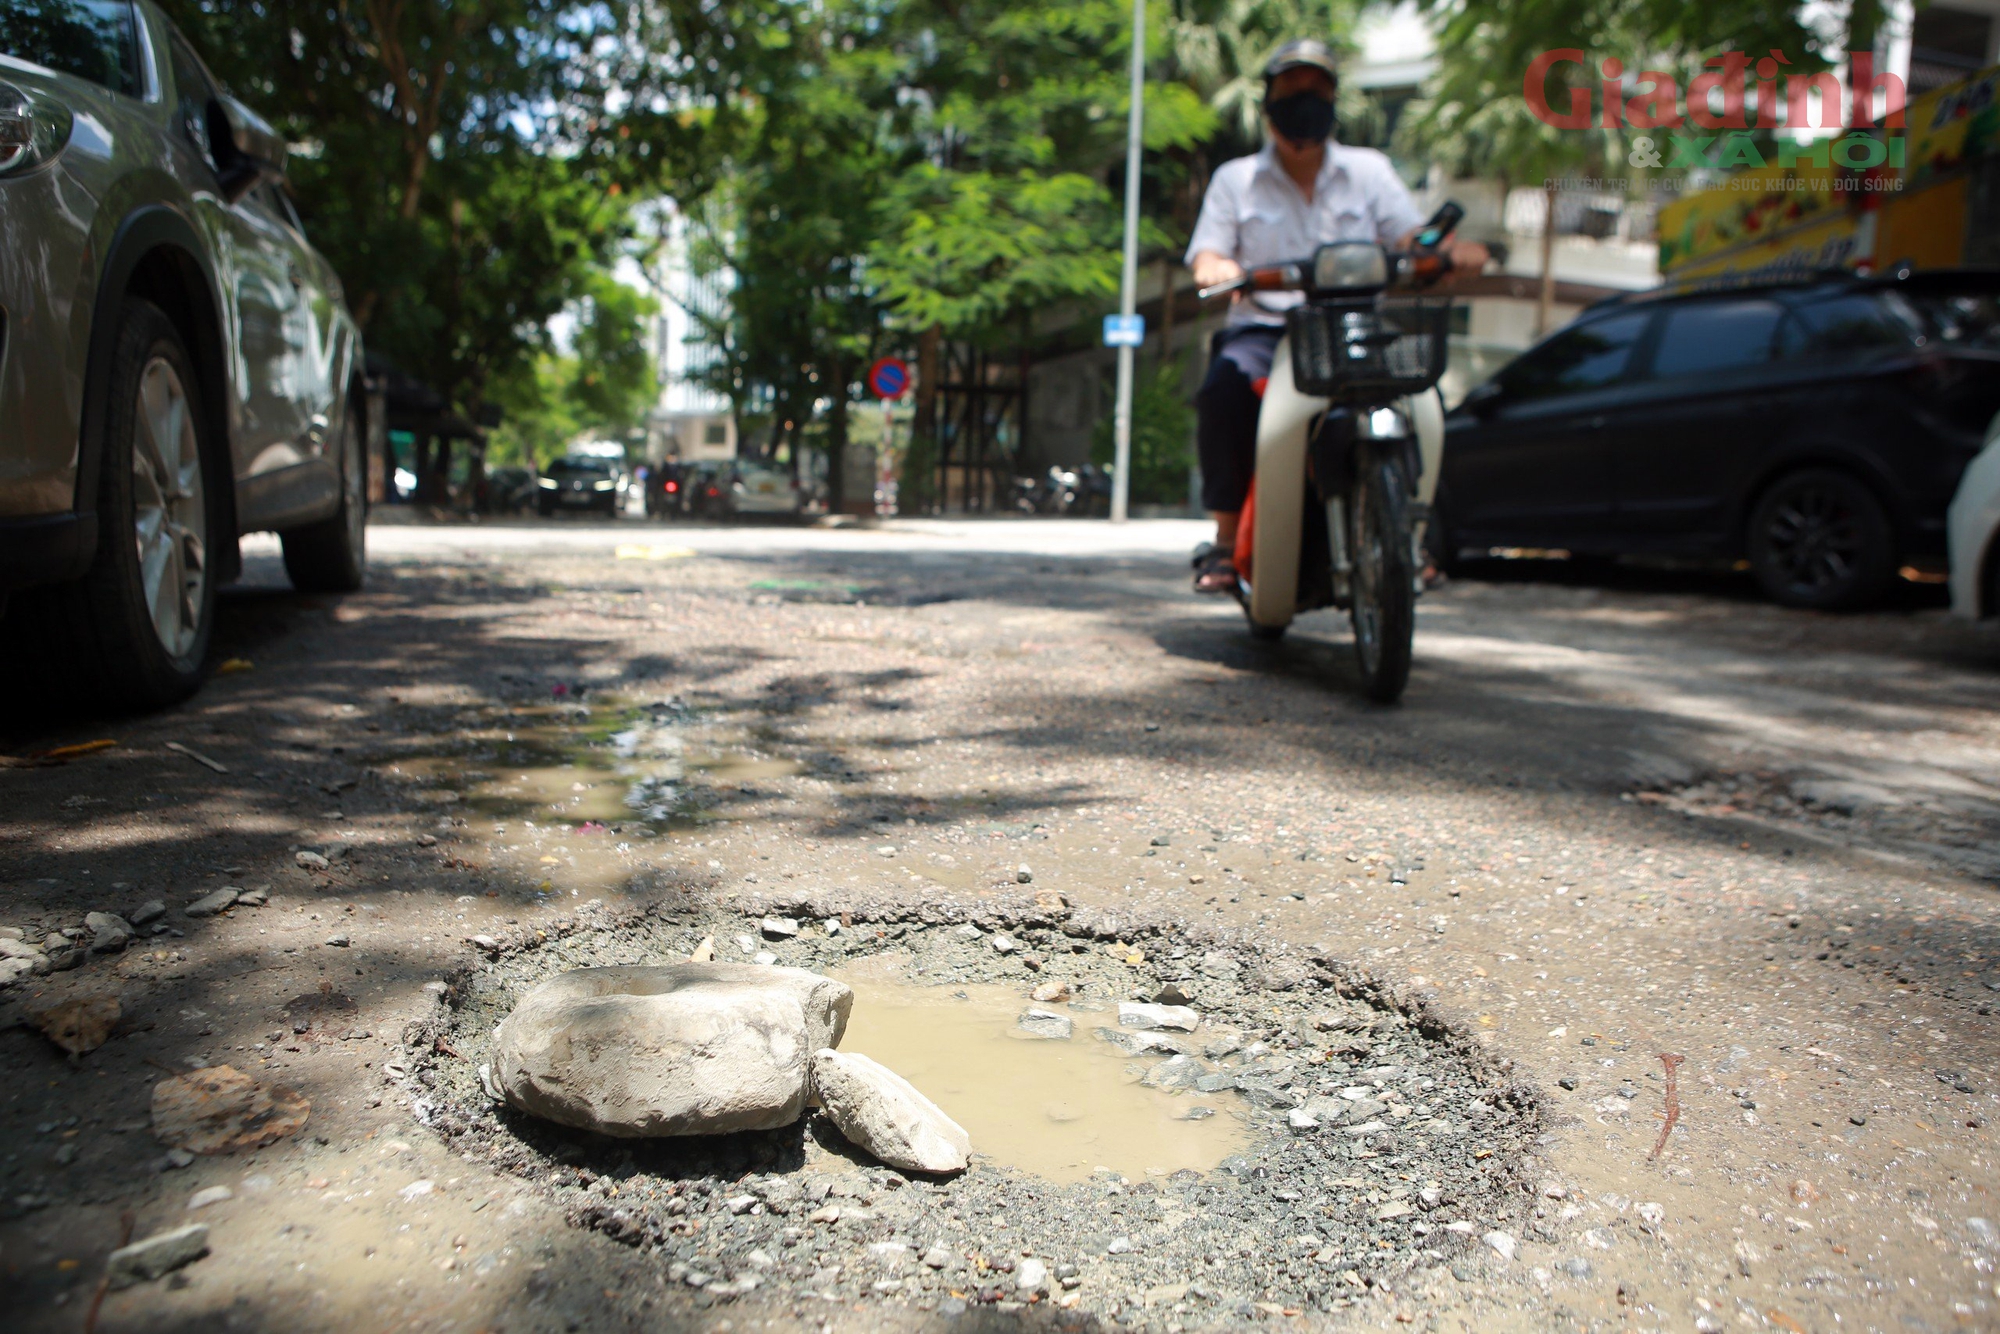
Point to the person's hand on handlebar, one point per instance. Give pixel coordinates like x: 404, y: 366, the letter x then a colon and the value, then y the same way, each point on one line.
x: 1468, y: 258
x: 1212, y: 269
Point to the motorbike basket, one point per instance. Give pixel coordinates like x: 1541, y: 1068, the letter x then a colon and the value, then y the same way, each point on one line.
x: 1350, y: 353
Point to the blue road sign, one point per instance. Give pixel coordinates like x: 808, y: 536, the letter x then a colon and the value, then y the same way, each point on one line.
x: 1124, y: 330
x: 889, y: 378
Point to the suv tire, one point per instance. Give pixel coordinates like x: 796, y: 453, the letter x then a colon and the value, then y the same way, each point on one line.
x: 133, y: 632
x: 331, y: 556
x: 1818, y: 539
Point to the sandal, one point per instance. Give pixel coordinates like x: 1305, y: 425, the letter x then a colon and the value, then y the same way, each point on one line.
x: 1215, y: 569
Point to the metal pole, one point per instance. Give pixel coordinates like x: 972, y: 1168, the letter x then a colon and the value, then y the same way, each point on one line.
x: 1121, y: 471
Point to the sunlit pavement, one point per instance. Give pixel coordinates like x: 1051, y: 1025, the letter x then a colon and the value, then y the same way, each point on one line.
x: 1608, y: 823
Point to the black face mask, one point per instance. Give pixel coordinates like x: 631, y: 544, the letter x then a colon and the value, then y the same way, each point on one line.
x: 1302, y: 117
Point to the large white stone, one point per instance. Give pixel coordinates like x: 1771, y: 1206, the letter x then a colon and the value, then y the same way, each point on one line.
x: 1136, y: 1014
x: 880, y: 1111
x: 669, y: 1049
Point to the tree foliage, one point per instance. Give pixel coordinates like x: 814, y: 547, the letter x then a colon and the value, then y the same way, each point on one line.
x: 467, y: 167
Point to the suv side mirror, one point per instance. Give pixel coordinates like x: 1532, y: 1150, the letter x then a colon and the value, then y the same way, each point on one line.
x: 246, y: 148
x: 1482, y: 400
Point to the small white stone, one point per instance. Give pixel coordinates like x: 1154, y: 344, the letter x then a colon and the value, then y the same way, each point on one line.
x: 1031, y: 1275
x: 201, y: 1199
x: 1301, y: 1119
x: 1503, y: 1245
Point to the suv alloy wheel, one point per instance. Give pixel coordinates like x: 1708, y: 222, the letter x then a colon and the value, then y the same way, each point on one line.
x: 132, y: 633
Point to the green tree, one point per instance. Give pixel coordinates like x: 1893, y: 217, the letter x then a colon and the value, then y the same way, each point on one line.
x: 467, y: 167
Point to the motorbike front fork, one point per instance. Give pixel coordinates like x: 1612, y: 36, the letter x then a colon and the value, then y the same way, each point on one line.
x: 1347, y: 446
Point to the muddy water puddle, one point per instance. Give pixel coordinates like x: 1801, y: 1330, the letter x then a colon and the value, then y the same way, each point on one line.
x: 1057, y: 1108
x: 614, y: 764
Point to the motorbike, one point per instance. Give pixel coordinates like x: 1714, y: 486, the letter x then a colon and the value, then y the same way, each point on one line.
x: 1350, y: 436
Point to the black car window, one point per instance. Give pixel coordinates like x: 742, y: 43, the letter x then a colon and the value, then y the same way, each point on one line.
x: 1584, y: 358
x: 1708, y: 336
x: 1858, y: 322
x: 91, y: 39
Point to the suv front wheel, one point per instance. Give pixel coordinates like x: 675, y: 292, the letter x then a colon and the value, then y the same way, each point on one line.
x: 132, y: 633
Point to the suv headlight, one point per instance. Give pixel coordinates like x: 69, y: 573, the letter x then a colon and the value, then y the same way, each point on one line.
x: 602, y: 486
x: 549, y: 483
x: 32, y: 130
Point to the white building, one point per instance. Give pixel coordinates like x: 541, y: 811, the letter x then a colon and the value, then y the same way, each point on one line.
x: 691, y: 421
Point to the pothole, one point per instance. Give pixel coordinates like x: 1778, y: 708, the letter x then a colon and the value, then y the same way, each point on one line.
x: 1351, y: 1141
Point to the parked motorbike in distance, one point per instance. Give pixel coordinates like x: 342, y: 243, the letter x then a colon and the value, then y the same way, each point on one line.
x: 1350, y: 436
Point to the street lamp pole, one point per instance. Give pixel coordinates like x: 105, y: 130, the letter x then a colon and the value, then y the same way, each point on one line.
x: 1121, y: 472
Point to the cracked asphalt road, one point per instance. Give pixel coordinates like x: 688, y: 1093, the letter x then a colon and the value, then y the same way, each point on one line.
x: 1607, y: 823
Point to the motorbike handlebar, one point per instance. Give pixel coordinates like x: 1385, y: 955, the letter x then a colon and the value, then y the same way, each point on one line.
x: 1407, y: 268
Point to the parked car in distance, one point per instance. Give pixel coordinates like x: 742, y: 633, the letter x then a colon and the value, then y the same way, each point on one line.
x: 1816, y: 428
x: 586, y: 482
x: 1974, y: 525
x: 759, y: 488
x: 177, y: 364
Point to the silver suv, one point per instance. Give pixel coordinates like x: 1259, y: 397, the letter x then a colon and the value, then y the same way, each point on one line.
x: 177, y: 363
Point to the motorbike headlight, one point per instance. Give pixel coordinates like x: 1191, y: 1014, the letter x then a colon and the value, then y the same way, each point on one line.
x: 603, y: 486
x: 1350, y: 266
x: 548, y: 482
x: 32, y: 130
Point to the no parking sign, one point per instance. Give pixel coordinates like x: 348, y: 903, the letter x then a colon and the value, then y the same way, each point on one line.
x: 889, y: 378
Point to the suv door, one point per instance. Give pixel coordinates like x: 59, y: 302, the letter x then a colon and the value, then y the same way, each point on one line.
x: 254, y: 273
x: 1711, y: 400
x: 1527, y: 464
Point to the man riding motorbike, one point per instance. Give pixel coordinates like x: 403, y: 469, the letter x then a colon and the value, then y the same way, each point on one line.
x: 1302, y: 191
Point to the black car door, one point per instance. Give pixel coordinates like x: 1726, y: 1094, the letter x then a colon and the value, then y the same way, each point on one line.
x: 1688, y: 431
x: 1525, y: 460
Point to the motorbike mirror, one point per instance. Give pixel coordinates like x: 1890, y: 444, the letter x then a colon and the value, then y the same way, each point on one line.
x: 1482, y: 399
x: 1346, y: 266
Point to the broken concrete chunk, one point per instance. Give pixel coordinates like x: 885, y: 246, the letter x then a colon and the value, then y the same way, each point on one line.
x: 1039, y: 1023
x: 1135, y: 1014
x: 882, y: 1112
x: 669, y: 1049
x: 79, y: 1025
x: 208, y: 905
x: 220, y: 1109
x: 780, y: 928
x: 156, y: 1255
x: 1142, y: 1044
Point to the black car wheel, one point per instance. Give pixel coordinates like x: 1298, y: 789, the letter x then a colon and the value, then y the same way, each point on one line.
x: 1818, y: 539
x: 331, y: 556
x: 132, y: 633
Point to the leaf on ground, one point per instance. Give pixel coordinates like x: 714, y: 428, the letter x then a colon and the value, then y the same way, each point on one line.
x: 80, y: 1025
x: 221, y: 1109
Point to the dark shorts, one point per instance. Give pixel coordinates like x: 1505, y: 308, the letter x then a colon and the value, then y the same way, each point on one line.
x: 1226, y: 413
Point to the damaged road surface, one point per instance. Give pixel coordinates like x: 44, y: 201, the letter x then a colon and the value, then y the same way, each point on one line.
x: 1636, y: 974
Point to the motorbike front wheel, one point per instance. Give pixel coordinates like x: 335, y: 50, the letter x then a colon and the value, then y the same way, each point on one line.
x: 1384, y: 609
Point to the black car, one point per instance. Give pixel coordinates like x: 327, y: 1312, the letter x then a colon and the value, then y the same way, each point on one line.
x: 582, y: 483
x: 1816, y: 428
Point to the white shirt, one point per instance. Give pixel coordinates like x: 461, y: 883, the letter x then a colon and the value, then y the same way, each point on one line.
x: 1256, y: 214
